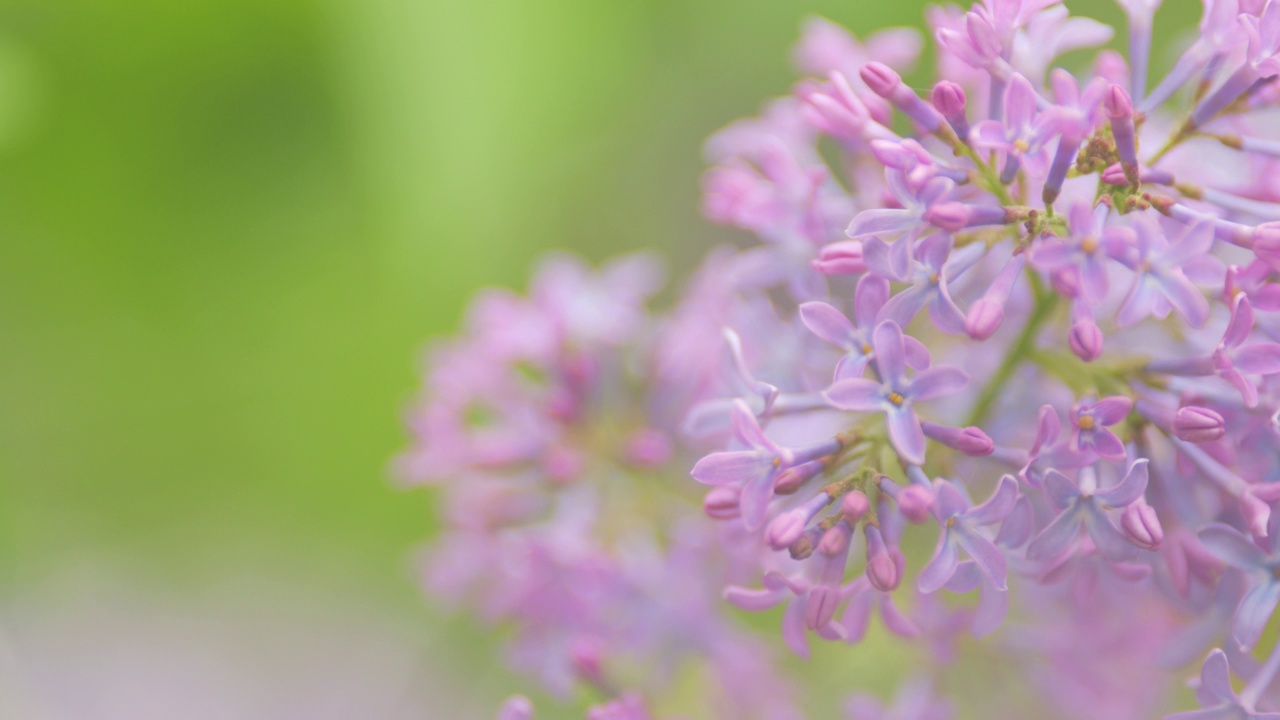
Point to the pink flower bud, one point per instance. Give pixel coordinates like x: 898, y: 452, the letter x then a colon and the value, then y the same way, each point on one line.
x: 984, y: 318
x: 1119, y: 104
x: 1086, y: 340
x: 588, y: 659
x: 1198, y: 424
x: 1141, y: 525
x: 835, y: 540
x: 882, y: 569
x: 971, y: 441
x: 854, y: 505
x: 803, y: 547
x: 955, y: 216
x: 915, y: 502
x: 721, y: 502
x: 785, y: 529
x: 880, y: 78
x: 840, y: 258
x: 1256, y: 512
x: 949, y: 98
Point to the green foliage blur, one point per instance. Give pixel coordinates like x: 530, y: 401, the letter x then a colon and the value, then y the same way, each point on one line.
x: 229, y: 227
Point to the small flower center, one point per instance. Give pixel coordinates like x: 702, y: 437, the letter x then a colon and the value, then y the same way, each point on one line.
x: 777, y: 462
x: 1089, y: 245
x: 933, y: 278
x: 951, y: 521
x: 896, y: 398
x: 1086, y: 422
x: 866, y: 348
x: 1022, y: 145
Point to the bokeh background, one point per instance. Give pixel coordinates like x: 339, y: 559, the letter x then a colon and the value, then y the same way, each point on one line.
x: 227, y: 229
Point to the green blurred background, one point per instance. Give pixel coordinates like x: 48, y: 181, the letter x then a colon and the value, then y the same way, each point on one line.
x: 228, y: 227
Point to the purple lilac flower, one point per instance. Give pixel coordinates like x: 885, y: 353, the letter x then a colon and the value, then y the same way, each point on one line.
x: 894, y: 393
x: 1084, y: 505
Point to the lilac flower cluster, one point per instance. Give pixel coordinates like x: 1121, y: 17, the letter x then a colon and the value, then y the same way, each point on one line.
x: 1025, y: 315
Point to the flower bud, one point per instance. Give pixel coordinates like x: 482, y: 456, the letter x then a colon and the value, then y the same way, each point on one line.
x: 721, y: 502
x: 1086, y: 339
x: 882, y: 570
x: 793, y: 478
x: 971, y: 441
x: 840, y: 258
x: 956, y: 216
x: 835, y: 540
x: 915, y: 502
x: 1256, y: 512
x: 854, y: 505
x: 984, y: 318
x: 949, y: 98
x: 1141, y: 525
x: 1198, y: 424
x: 785, y: 529
x: 803, y: 547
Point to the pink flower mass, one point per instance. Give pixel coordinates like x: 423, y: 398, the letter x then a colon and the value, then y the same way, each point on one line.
x: 997, y: 357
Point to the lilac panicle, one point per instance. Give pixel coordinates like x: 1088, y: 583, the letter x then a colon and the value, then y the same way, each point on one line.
x: 1051, y: 282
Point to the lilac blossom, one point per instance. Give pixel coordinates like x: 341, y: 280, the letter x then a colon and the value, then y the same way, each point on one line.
x: 894, y: 393
x: 960, y: 530
x: 1084, y: 505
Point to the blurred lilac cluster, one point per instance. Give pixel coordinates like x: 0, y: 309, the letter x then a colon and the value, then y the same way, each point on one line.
x: 1025, y: 316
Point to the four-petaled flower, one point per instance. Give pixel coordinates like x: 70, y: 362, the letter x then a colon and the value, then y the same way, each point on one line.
x: 894, y: 393
x: 1091, y: 434
x: 1084, y: 505
x: 960, y: 524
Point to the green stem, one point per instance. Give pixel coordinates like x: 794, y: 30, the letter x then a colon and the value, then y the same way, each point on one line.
x: 1020, y: 351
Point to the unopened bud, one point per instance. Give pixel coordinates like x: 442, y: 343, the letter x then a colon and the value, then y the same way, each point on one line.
x: 1198, y: 424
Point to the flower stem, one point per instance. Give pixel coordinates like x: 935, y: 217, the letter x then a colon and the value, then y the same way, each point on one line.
x: 1020, y: 351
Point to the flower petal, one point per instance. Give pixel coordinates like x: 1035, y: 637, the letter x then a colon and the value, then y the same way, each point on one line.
x: 1254, y: 612
x: 1110, y: 542
x: 827, y: 323
x: 937, y: 381
x: 723, y: 468
x: 998, y: 506
x: 906, y: 434
x: 890, y: 351
x: 941, y: 567
x: 856, y: 394
x: 1129, y: 489
x: 1055, y: 538
x: 989, y: 558
x: 1231, y: 547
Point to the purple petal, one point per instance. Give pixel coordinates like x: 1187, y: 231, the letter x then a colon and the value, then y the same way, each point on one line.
x: 944, y: 312
x: 1254, y: 612
x: 723, y: 468
x: 989, y: 134
x: 1061, y: 490
x: 1139, y: 304
x: 1111, y: 410
x: 1047, y: 428
x: 746, y: 428
x: 998, y: 506
x: 897, y: 623
x: 870, y: 295
x: 993, y: 606
x: 1107, y: 445
x: 966, y: 579
x: 1241, y: 323
x: 1018, y: 526
x: 1231, y: 547
x: 1194, y: 243
x: 906, y: 434
x: 1248, y: 391
x: 793, y: 629
x: 988, y: 557
x: 890, y: 352
x: 1258, y: 359
x: 917, y: 354
x: 880, y: 220
x: 903, y: 307
x: 949, y: 501
x: 941, y: 567
x: 754, y: 501
x: 1215, y: 679
x: 856, y: 394
x: 936, y: 382
x: 1019, y: 102
x: 1186, y: 299
x: 934, y: 250
x: 828, y: 323
x: 1130, y: 488
x: 752, y: 600
x: 857, y: 615
x: 1055, y: 538
x: 851, y: 367
x: 1110, y: 542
